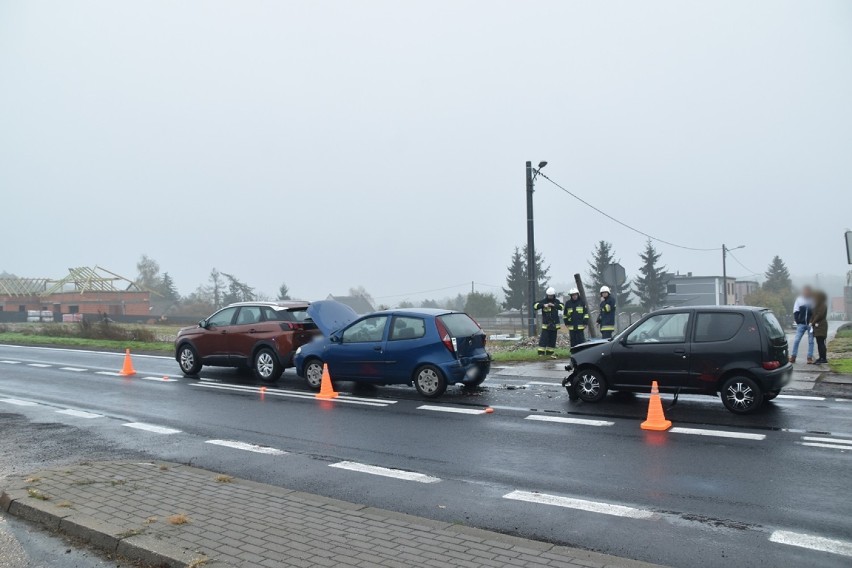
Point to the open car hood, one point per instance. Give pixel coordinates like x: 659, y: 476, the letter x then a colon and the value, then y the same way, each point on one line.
x: 331, y: 316
x: 588, y: 344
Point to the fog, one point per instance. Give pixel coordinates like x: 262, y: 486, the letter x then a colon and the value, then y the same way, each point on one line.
x: 335, y: 144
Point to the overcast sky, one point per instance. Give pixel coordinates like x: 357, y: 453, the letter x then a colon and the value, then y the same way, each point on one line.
x: 332, y: 144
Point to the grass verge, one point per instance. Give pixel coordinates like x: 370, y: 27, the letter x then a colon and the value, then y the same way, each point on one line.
x: 841, y: 345
x: 525, y: 355
x: 22, y: 339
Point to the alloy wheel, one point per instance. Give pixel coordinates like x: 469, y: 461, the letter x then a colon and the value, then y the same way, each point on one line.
x: 187, y: 359
x: 740, y: 396
x: 265, y: 365
x: 589, y: 385
x: 313, y: 374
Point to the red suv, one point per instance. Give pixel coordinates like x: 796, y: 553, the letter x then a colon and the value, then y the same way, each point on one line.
x: 260, y: 335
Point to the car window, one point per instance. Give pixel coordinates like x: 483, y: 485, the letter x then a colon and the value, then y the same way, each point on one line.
x: 460, y: 325
x: 661, y: 328
x: 717, y: 326
x: 295, y: 315
x: 407, y: 328
x: 223, y: 317
x: 772, y: 326
x: 369, y: 329
x: 248, y: 315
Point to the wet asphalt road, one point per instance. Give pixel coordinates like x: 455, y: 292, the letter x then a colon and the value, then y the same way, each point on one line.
x: 674, y: 498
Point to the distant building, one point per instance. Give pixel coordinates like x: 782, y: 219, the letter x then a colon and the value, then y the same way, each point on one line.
x: 743, y: 289
x: 360, y: 304
x: 83, y: 290
x: 689, y: 290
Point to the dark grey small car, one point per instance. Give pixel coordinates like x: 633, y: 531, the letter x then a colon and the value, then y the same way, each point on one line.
x: 737, y: 352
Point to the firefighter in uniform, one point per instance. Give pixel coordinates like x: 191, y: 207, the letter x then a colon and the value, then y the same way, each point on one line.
x: 576, y: 317
x: 606, y: 317
x: 550, y: 309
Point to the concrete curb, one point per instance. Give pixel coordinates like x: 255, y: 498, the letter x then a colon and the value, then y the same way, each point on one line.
x: 141, y: 548
x: 156, y: 550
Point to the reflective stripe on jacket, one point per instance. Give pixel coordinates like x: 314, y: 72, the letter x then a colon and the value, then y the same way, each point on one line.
x: 576, y: 314
x: 607, y: 316
x: 549, y: 316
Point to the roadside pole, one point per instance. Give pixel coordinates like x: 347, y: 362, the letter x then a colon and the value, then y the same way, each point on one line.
x: 578, y: 280
x: 531, y: 276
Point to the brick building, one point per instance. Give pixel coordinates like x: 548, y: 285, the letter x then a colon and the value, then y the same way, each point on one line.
x: 92, y: 291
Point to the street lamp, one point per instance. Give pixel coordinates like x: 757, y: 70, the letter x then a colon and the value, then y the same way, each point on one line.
x: 531, y: 276
x: 725, y: 251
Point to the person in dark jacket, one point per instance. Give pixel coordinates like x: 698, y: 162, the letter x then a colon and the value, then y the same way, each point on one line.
x: 606, y: 317
x: 576, y: 317
x: 802, y: 311
x: 819, y: 323
x: 550, y: 309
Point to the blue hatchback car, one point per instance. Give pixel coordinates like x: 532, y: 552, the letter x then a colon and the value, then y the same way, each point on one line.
x: 428, y: 348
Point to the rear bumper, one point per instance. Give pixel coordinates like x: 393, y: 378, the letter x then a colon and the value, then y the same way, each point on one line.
x: 774, y: 380
x: 466, y: 369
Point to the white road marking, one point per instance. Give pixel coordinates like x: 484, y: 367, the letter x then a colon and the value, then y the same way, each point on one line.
x: 159, y: 379
x: 828, y: 440
x: 11, y: 362
x: 822, y: 544
x: 565, y: 420
x: 66, y: 350
x: 546, y: 384
x: 718, y: 433
x: 799, y: 397
x: 73, y: 369
x: 79, y: 413
x: 108, y: 373
x: 18, y: 402
x: 248, y: 447
x: 39, y: 365
x: 151, y: 428
x: 452, y: 409
x: 386, y: 472
x: 830, y: 446
x: 580, y: 504
x: 294, y: 394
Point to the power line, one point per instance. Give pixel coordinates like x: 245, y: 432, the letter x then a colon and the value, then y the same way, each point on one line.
x: 746, y: 268
x: 423, y: 291
x: 622, y: 223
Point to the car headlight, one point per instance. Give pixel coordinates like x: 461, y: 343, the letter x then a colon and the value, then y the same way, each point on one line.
x: 298, y: 350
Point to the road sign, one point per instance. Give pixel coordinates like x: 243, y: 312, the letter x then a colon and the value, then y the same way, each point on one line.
x: 614, y: 275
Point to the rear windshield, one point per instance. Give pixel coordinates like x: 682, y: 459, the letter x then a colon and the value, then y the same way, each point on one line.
x: 460, y: 325
x: 772, y: 326
x: 297, y: 315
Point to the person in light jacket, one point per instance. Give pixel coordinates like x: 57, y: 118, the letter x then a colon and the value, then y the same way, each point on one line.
x: 819, y: 322
x: 802, y: 312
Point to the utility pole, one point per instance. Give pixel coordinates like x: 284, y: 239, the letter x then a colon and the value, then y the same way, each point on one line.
x: 531, y: 276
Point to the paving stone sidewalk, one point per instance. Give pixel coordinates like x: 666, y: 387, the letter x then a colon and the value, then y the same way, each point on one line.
x: 173, y: 515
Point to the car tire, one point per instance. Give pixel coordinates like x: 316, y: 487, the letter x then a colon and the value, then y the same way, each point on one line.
x: 266, y: 366
x: 771, y: 395
x: 590, y: 385
x: 741, y: 394
x: 188, y: 360
x: 313, y: 373
x: 430, y: 381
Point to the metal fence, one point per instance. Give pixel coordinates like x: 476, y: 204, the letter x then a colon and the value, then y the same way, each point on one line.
x: 517, y: 326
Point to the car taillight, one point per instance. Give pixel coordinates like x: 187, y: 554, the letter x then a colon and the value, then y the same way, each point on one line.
x: 444, y: 335
x: 771, y: 365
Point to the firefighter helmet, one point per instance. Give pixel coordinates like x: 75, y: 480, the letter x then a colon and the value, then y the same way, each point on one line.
x: 550, y: 291
x: 604, y: 289
x: 573, y: 291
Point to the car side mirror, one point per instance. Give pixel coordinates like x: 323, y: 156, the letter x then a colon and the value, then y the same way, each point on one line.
x: 334, y: 338
x: 202, y: 324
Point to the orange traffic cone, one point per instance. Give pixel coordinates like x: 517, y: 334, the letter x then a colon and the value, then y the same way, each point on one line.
x: 656, y: 419
x: 326, y: 388
x: 127, y: 370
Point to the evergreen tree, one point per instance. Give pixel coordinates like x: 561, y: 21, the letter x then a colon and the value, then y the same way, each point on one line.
x: 237, y: 291
x: 515, y: 290
x: 650, y: 287
x: 429, y: 304
x: 602, y: 257
x: 777, y: 277
x: 481, y: 305
x: 168, y: 288
x: 283, y: 292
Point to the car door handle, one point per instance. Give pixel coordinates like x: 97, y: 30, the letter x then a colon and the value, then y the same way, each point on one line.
x: 680, y: 351
x: 252, y: 331
x: 377, y: 348
x: 224, y: 331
